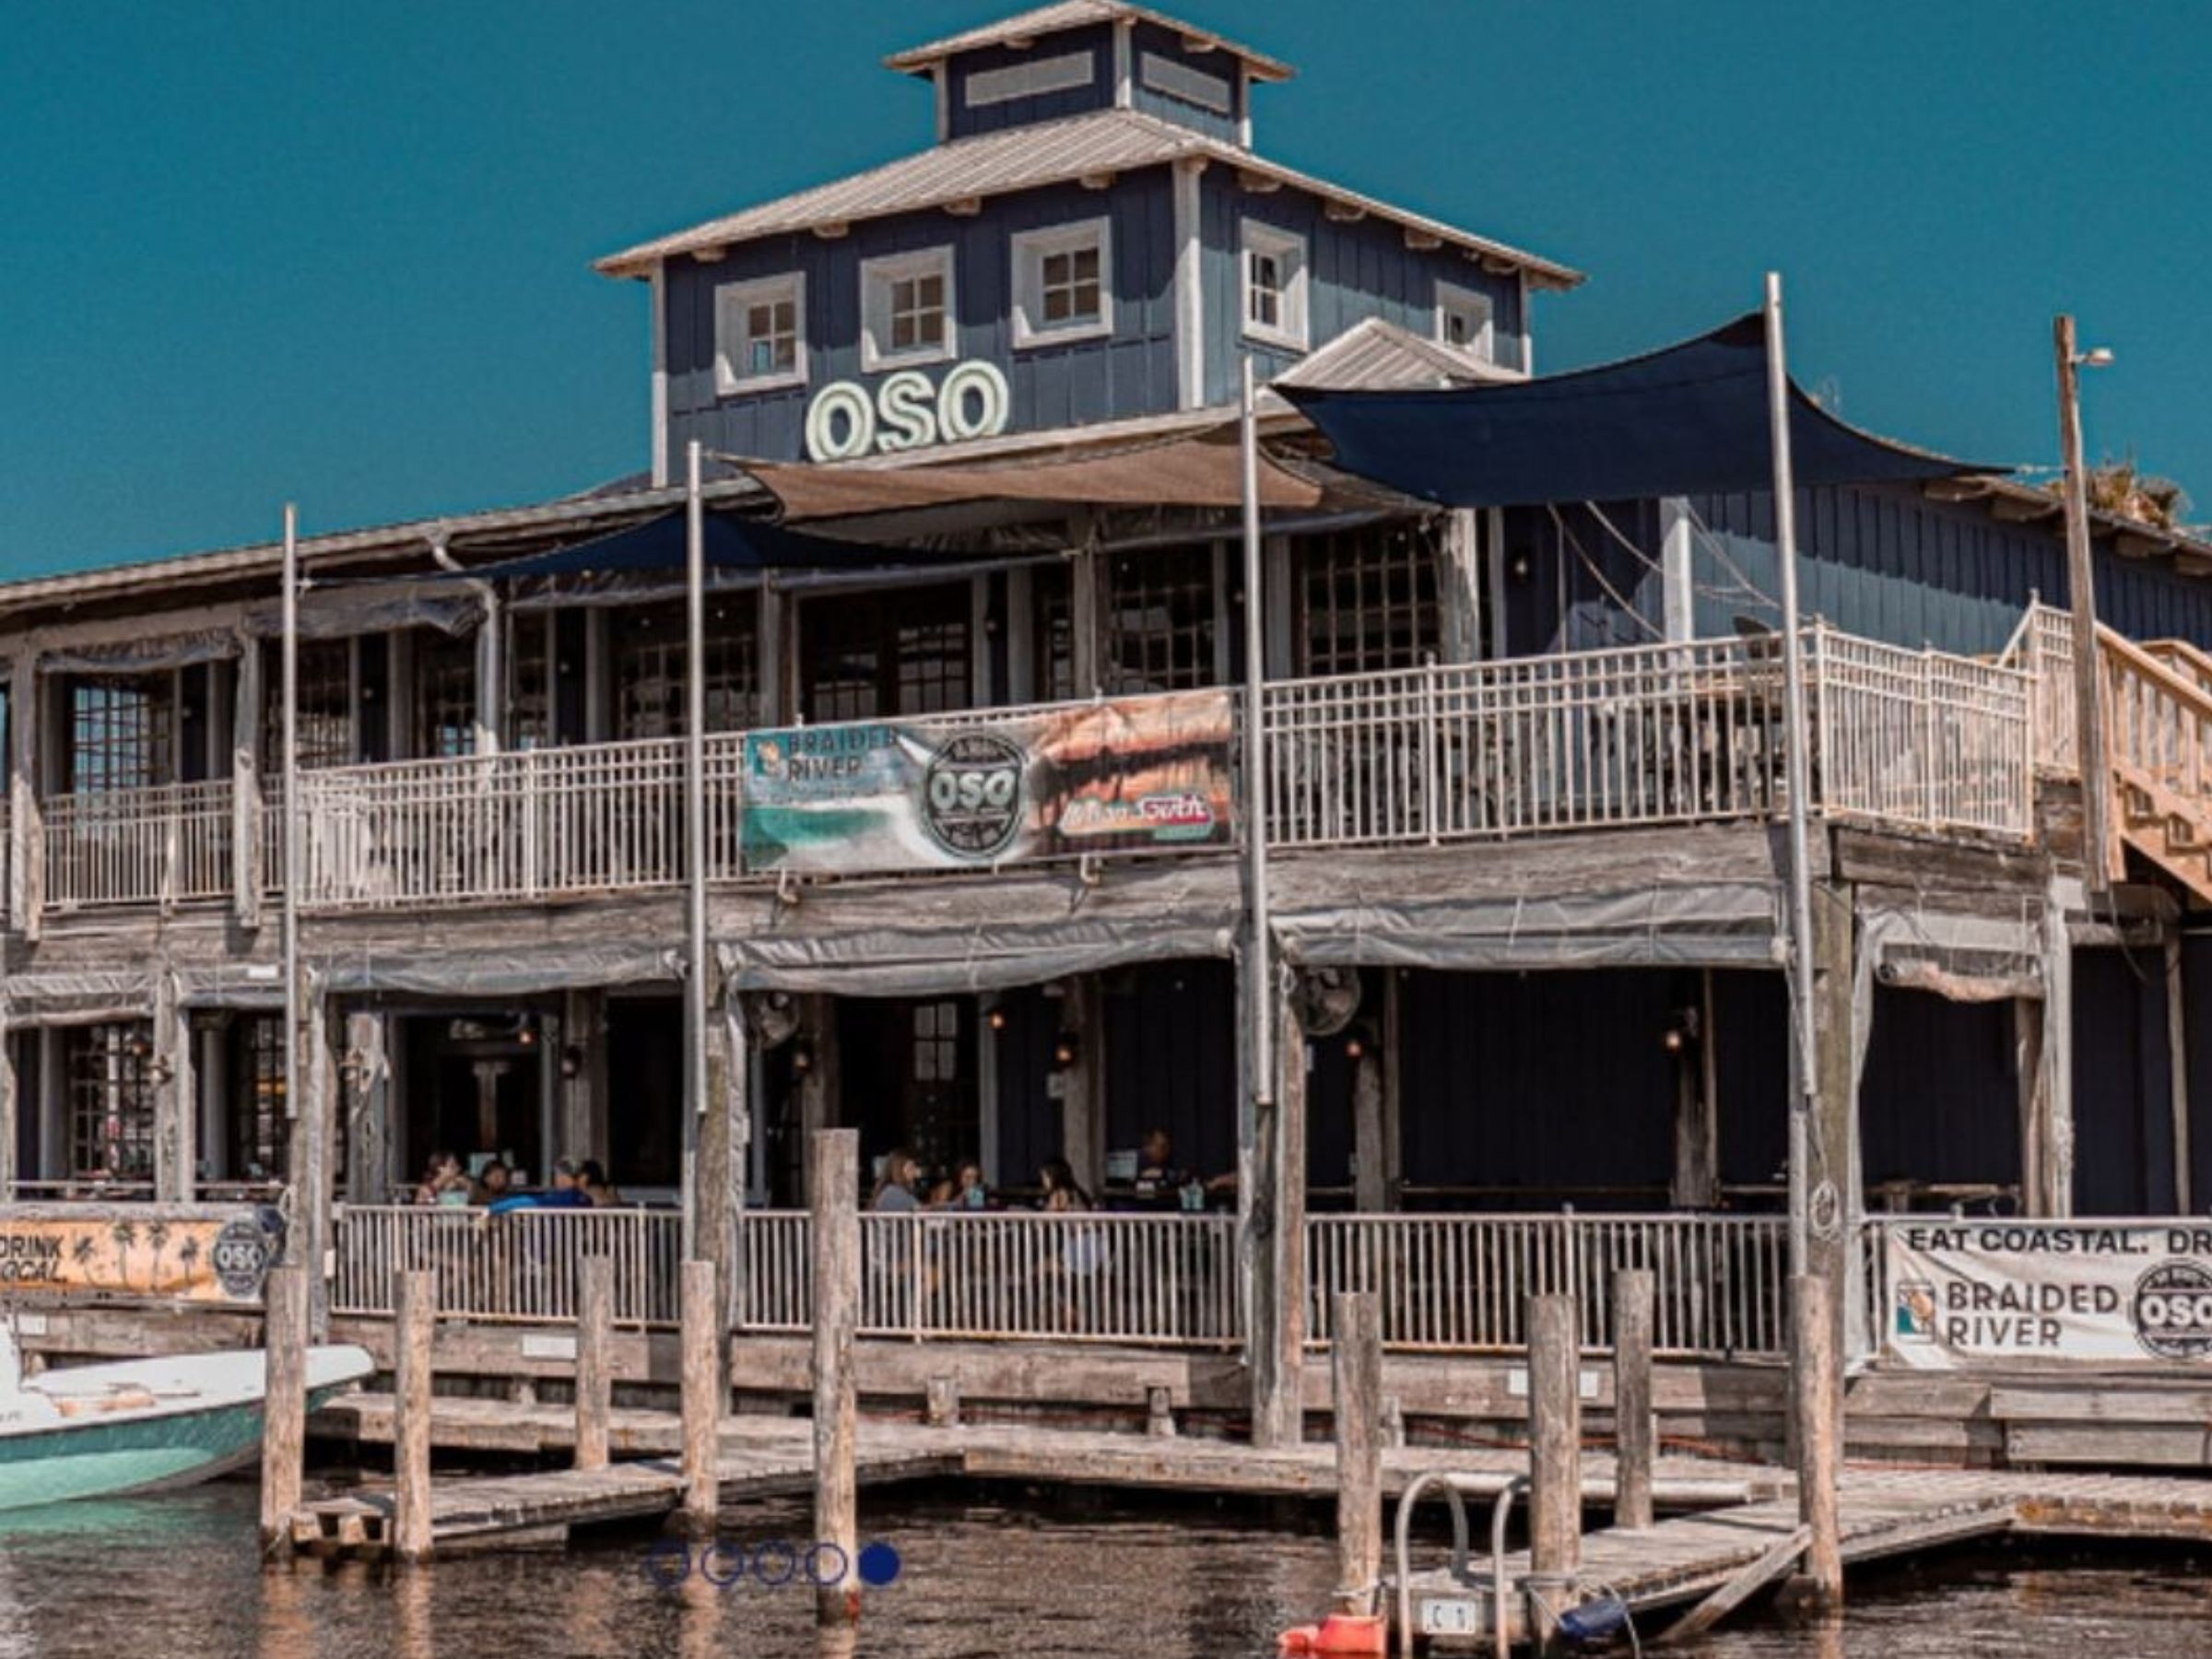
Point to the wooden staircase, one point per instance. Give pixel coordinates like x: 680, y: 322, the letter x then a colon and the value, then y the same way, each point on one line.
x: 2157, y: 699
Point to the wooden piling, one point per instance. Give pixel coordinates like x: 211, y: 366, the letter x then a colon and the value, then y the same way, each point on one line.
x: 702, y: 1397
x: 833, y: 1192
x: 1818, y: 1427
x: 1356, y: 1338
x: 595, y: 1376
x: 1635, y: 1295
x: 414, y: 1301
x: 1555, y: 1443
x: 284, y: 1405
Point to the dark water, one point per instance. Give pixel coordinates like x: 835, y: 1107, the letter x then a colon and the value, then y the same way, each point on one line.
x: 177, y: 1578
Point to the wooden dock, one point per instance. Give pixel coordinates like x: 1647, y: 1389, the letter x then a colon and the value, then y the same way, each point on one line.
x: 765, y: 1458
x: 1884, y: 1515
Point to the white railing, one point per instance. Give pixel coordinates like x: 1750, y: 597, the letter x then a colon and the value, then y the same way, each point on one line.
x: 775, y: 1270
x: 1458, y: 1283
x: 163, y: 844
x: 1921, y: 737
x: 2042, y: 648
x: 1654, y: 734
x: 1168, y: 1280
x: 518, y: 1266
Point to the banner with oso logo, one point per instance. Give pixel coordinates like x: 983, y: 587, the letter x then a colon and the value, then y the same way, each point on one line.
x: 1136, y: 774
x: 1965, y: 1292
x: 132, y: 1251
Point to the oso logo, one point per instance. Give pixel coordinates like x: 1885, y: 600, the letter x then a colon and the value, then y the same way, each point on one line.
x: 240, y: 1256
x: 971, y: 794
x: 2173, y: 1311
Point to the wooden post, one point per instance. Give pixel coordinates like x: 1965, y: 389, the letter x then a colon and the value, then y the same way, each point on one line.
x: 2177, y: 1051
x: 1697, y: 1184
x: 1635, y: 1429
x: 27, y: 847
x: 702, y: 1399
x: 1275, y: 1221
x: 1371, y: 1164
x: 595, y: 1373
x: 1355, y: 1333
x: 1554, y: 1446
x: 283, y: 1403
x: 1819, y: 1431
x: 414, y: 1300
x: 833, y: 1193
x: 1082, y: 1085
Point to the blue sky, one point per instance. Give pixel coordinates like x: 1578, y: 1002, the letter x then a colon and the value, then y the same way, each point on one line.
x: 342, y: 253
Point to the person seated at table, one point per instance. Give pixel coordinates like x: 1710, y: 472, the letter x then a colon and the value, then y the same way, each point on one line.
x: 1161, y: 1181
x: 493, y: 1182
x: 1062, y: 1192
x: 895, y: 1190
x: 566, y: 1193
x: 590, y: 1175
x: 966, y: 1190
x: 443, y: 1181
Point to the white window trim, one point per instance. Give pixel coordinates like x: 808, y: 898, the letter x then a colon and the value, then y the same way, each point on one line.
x: 875, y: 277
x: 730, y: 302
x: 1253, y: 235
x: 1031, y: 248
x: 1450, y: 295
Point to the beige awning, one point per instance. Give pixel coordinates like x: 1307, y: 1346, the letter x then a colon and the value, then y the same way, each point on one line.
x: 1181, y: 472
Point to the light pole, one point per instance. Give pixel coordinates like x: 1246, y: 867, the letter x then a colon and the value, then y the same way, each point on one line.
x: 2089, y: 714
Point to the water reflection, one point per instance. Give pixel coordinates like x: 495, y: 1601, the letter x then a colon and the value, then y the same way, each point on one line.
x: 181, y: 1578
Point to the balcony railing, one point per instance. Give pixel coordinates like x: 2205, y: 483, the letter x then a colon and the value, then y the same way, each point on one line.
x: 1657, y: 735
x: 1448, y: 1284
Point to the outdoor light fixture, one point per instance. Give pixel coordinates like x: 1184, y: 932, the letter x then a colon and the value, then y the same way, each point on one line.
x: 1520, y: 567
x: 571, y: 1060
x: 997, y: 1018
x: 1682, y: 1032
x: 1354, y: 1047
x: 802, y: 1058
x: 1064, y: 1050
x: 2097, y: 356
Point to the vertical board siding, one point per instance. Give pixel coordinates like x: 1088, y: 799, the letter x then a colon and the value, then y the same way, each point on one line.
x: 1938, y: 1098
x: 1171, y: 1061
x: 1166, y: 43
x: 1128, y: 373
x: 1355, y: 270
x: 1097, y: 43
x: 1541, y: 1080
x: 2122, y: 1126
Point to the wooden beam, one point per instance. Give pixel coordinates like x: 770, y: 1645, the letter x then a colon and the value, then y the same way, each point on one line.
x: 594, y: 1375
x: 1814, y: 1370
x: 1422, y: 241
x: 284, y: 1403
x: 965, y: 206
x: 1257, y: 183
x: 1355, y: 1354
x: 710, y: 255
x: 2018, y: 510
x: 1098, y: 180
x: 1636, y: 1427
x: 1344, y: 213
x: 833, y: 1187
x: 832, y: 231
x: 1555, y: 1452
x: 702, y: 1397
x: 1737, y: 1590
x: 414, y: 1300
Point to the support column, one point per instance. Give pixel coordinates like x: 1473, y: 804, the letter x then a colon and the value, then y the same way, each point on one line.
x: 1696, y: 1183
x: 1274, y: 1214
x: 819, y: 1084
x: 1082, y: 1082
x: 172, y: 1152
x: 490, y: 678
x: 1832, y: 1142
x: 366, y: 1094
x: 11, y: 1105
x: 27, y: 850
x: 768, y: 632
x: 1370, y: 1177
x: 2177, y: 1050
x: 247, y: 876
x: 723, y: 1140
x: 582, y: 1064
x: 2044, y: 1046
x: 1460, y: 584
x: 1085, y: 593
x: 309, y: 1243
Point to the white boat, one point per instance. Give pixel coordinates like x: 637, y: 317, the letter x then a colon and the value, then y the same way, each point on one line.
x: 141, y: 1425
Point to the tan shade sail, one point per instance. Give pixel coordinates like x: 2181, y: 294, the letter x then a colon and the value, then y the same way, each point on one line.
x: 1184, y: 472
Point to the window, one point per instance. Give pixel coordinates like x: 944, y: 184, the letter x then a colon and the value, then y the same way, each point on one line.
x: 111, y: 1100
x: 651, y: 644
x: 445, y: 695
x: 325, y: 705
x: 260, y: 1132
x: 896, y: 651
x: 1063, y: 283
x: 760, y: 334
x: 1463, y: 319
x: 906, y: 308
x: 1275, y: 285
x: 1367, y: 601
x: 120, y: 733
x: 1160, y: 621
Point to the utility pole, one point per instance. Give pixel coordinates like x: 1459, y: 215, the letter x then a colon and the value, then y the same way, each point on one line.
x: 2089, y: 712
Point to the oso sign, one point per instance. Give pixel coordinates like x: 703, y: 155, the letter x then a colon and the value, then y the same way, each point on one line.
x: 843, y: 423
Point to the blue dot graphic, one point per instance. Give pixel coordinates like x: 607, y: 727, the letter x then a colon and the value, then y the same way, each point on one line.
x: 878, y: 1564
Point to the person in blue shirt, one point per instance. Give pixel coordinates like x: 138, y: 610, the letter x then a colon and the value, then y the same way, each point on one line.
x: 566, y: 1193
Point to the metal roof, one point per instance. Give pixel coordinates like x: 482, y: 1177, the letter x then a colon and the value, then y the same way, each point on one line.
x: 1103, y: 141
x: 1377, y: 354
x: 1020, y: 30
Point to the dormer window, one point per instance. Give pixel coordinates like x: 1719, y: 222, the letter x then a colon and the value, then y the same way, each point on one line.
x: 1466, y: 319
x: 760, y: 334
x: 1063, y: 283
x: 906, y: 308
x: 1275, y: 285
